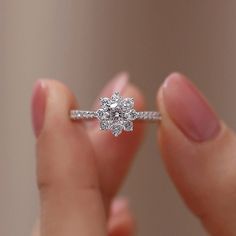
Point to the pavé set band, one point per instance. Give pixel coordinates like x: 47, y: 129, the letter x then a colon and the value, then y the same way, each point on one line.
x: 116, y: 114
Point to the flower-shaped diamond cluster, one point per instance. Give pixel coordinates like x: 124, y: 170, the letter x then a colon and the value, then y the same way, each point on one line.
x: 116, y: 114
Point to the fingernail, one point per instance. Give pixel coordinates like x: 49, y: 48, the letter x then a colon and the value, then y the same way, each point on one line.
x: 118, y: 84
x: 38, y: 106
x: 189, y: 109
x: 119, y: 205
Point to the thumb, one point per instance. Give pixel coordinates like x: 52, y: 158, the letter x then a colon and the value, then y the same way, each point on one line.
x: 71, y: 200
x: 199, y: 151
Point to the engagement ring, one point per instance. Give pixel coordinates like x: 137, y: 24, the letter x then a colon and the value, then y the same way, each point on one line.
x: 116, y: 114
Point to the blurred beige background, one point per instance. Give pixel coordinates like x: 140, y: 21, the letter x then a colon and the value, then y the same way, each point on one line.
x: 84, y: 43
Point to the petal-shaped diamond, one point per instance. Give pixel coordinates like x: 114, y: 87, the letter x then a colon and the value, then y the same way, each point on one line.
x: 104, y: 125
x: 105, y: 103
x: 102, y: 115
x: 128, y: 126
x: 117, y: 129
x: 127, y: 104
x: 131, y: 115
x: 116, y: 97
x: 116, y: 114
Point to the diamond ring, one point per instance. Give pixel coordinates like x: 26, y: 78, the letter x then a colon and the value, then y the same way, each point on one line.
x: 116, y: 114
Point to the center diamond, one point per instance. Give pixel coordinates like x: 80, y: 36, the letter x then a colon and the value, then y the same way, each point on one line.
x: 116, y: 114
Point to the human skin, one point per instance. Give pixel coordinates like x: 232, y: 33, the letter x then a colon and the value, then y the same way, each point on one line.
x: 78, y: 181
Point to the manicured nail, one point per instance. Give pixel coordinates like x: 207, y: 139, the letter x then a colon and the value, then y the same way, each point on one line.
x: 189, y: 109
x: 119, y: 205
x: 38, y: 106
x: 117, y: 84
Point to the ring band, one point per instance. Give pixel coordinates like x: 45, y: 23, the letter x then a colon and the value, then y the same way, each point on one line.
x: 116, y: 114
x: 140, y: 115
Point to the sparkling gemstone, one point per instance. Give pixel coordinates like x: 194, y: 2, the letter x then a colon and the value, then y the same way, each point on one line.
x: 127, y: 104
x: 128, y: 126
x: 114, y: 105
x: 116, y: 129
x: 131, y: 115
x: 116, y: 97
x: 105, y: 103
x: 102, y: 114
x: 104, y: 125
x: 116, y: 114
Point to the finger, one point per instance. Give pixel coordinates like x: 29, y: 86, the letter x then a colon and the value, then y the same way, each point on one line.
x: 115, y: 154
x: 199, y: 152
x: 121, y: 222
x: 67, y: 177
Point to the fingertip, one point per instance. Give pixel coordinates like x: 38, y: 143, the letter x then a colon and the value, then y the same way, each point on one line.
x: 122, y: 220
x: 175, y: 76
x: 50, y: 98
x: 58, y: 103
x: 133, y: 91
x: 119, y: 205
x: 197, y: 150
x: 189, y: 109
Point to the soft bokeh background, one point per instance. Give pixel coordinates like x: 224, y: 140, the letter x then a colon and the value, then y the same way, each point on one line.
x: 84, y: 43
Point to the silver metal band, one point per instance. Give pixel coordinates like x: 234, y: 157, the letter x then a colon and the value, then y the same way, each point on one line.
x: 140, y: 115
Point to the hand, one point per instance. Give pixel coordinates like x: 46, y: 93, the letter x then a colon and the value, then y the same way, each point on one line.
x: 199, y: 151
x: 80, y: 169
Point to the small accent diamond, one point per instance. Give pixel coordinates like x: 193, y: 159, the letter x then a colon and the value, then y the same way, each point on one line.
x: 128, y: 103
x: 117, y: 130
x: 104, y: 125
x: 128, y: 126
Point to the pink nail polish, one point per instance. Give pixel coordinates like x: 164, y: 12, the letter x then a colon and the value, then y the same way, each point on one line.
x: 38, y: 106
x: 119, y: 205
x: 189, y: 110
x: 117, y: 84
x: 120, y: 82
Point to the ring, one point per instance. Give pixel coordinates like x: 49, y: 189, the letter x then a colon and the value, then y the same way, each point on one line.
x: 116, y: 114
